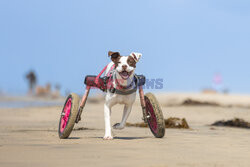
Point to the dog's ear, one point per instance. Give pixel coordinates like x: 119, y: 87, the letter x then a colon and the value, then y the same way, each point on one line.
x: 115, y: 56
x: 136, y: 56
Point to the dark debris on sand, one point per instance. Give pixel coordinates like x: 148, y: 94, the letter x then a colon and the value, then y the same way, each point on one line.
x: 236, y: 122
x: 191, y: 102
x: 82, y: 128
x: 171, y: 122
x: 174, y: 122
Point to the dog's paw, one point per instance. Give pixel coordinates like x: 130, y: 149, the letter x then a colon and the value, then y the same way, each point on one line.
x: 118, y: 126
x: 107, y: 138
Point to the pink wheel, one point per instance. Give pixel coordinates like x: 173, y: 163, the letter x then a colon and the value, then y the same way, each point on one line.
x: 68, y: 116
x: 154, y: 116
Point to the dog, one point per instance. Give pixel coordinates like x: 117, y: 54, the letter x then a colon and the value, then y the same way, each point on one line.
x: 122, y: 70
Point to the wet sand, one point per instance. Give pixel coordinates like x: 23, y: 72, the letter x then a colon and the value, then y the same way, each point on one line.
x: 28, y: 137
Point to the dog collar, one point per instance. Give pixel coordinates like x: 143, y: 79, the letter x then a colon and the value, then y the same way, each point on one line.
x: 117, y: 91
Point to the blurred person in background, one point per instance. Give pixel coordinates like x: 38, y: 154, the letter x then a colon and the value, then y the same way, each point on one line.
x: 32, y: 79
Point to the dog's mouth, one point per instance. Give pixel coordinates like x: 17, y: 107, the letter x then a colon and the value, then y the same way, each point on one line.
x: 125, y: 74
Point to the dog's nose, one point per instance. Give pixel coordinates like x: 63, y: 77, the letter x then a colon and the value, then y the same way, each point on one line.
x: 124, y: 67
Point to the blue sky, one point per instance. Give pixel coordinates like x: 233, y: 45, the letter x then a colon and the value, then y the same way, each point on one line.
x: 185, y: 42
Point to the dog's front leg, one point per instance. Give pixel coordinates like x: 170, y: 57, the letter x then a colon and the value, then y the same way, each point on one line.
x: 126, y: 112
x: 107, y: 113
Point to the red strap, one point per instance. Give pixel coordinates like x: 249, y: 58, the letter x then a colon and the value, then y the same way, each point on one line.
x: 99, y: 75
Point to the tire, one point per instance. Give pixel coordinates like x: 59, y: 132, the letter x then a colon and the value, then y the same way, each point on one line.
x: 68, y: 116
x: 155, y: 120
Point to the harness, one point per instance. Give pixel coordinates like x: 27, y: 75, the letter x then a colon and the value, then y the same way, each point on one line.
x: 121, y: 90
x: 108, y: 85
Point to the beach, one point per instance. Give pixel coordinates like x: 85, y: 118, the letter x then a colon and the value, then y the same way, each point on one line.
x: 29, y: 137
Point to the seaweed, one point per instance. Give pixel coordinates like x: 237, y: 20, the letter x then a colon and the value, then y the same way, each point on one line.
x: 172, y: 122
x: 236, y: 122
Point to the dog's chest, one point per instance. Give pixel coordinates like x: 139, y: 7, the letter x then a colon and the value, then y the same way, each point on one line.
x: 120, y: 99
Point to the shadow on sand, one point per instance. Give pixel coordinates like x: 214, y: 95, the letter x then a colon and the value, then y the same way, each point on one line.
x: 130, y: 138
x: 124, y: 138
x: 73, y: 138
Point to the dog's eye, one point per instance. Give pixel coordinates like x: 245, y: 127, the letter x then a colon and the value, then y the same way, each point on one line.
x: 131, y: 63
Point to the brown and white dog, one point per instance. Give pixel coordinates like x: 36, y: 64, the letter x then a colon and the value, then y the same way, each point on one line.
x: 123, y: 78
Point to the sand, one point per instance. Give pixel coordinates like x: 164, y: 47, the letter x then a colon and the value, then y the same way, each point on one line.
x: 28, y: 137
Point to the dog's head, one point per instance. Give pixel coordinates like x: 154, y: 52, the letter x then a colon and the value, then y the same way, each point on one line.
x: 125, y: 65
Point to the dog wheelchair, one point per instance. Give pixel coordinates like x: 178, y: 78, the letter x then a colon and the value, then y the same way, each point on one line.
x: 72, y: 109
